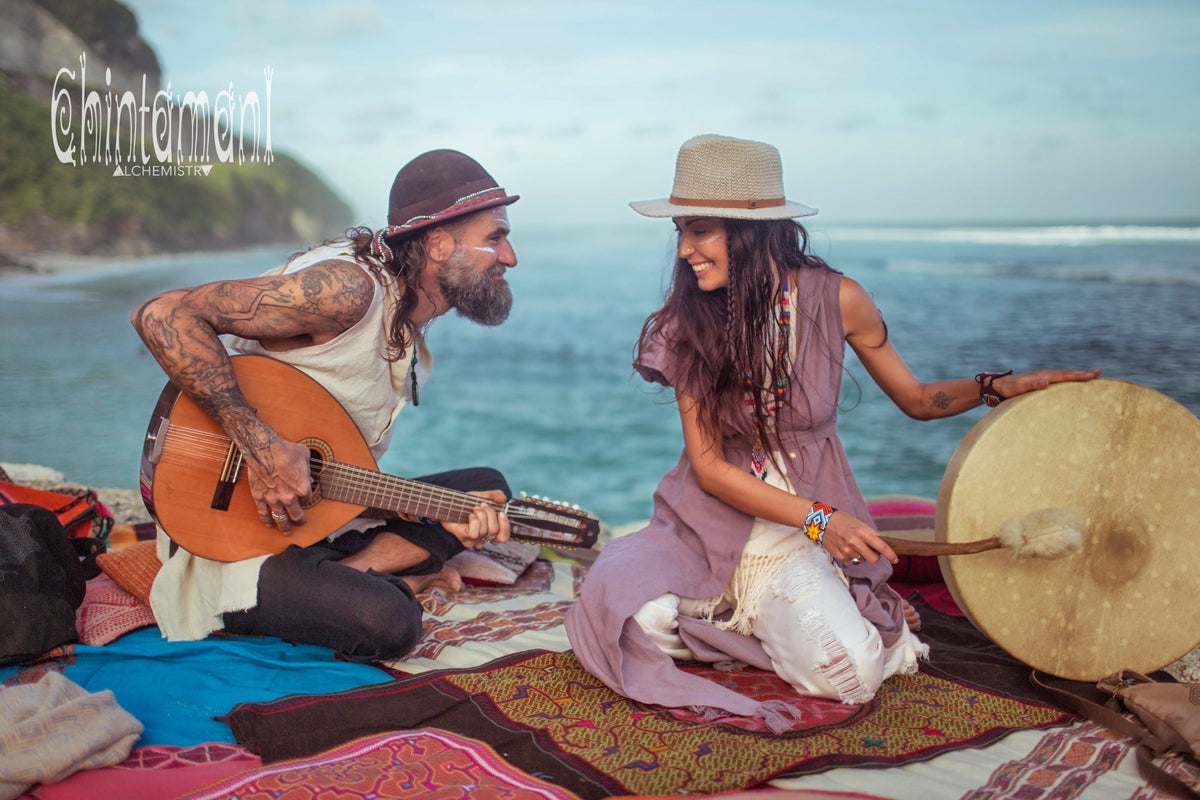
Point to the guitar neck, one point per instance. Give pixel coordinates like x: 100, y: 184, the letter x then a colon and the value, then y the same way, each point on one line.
x: 398, y: 495
x: 530, y: 519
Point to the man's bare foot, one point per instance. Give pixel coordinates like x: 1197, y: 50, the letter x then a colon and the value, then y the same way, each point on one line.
x: 911, y: 616
x: 447, y: 580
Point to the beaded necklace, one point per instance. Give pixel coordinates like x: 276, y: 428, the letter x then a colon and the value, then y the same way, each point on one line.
x: 779, y: 386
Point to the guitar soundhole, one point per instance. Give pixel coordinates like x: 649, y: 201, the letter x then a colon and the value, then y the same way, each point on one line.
x: 319, y: 453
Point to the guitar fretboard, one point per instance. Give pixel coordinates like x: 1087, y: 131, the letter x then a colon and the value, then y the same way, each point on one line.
x: 377, y: 490
x: 531, y: 522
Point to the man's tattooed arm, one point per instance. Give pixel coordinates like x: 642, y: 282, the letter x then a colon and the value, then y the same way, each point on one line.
x: 181, y: 328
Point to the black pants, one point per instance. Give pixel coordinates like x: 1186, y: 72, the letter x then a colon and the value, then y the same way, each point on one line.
x: 305, y: 595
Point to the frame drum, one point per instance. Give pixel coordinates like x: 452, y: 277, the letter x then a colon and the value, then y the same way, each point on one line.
x: 1127, y: 459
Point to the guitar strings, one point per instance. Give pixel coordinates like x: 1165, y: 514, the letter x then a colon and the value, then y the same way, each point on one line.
x: 363, y: 484
x: 196, y: 443
x: 378, y: 492
x: 374, y: 489
x: 349, y: 483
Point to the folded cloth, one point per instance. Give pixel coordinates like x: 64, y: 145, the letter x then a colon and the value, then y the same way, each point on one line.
x: 497, y: 564
x: 190, y: 594
x: 53, y: 728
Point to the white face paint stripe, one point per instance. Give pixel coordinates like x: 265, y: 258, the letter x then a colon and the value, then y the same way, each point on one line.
x: 488, y: 250
x: 707, y: 240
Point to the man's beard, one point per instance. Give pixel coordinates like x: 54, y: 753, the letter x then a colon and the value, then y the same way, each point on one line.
x: 473, y: 294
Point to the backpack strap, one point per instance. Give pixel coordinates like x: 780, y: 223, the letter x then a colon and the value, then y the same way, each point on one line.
x: 87, y: 548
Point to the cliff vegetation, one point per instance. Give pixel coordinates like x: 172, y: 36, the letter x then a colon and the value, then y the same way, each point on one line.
x: 94, y: 207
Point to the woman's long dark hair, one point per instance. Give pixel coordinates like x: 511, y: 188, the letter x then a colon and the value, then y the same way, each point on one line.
x: 724, y: 340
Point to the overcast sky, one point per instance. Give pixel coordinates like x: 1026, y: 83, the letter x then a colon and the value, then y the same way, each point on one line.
x: 933, y: 111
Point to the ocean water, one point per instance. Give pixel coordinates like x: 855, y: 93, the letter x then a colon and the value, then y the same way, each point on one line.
x: 550, y: 398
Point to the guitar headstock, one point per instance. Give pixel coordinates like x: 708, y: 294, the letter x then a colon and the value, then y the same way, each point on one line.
x: 537, y: 519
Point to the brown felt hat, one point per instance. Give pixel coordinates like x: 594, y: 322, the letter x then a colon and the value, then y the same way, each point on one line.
x: 438, y: 186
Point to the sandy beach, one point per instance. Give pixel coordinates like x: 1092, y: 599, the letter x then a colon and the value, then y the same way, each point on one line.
x: 14, y: 265
x: 28, y: 264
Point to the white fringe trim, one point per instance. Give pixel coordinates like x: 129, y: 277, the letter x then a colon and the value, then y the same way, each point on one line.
x: 750, y: 581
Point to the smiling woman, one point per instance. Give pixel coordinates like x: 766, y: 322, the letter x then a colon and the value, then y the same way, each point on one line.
x: 703, y: 244
x: 760, y: 531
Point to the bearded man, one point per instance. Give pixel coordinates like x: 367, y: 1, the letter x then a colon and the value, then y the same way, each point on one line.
x: 351, y: 314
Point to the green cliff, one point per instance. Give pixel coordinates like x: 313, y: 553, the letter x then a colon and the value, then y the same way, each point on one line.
x: 129, y: 204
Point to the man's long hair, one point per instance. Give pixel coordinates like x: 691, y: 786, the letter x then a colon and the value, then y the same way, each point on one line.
x: 724, y: 341
x: 405, y: 272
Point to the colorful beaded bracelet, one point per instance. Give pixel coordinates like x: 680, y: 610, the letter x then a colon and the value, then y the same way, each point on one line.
x: 816, y: 520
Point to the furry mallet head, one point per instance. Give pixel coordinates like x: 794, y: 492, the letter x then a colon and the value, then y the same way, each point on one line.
x: 1044, y: 533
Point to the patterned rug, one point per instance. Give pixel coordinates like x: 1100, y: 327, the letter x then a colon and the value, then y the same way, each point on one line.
x: 426, y: 764
x: 1069, y: 762
x: 159, y: 771
x: 550, y: 718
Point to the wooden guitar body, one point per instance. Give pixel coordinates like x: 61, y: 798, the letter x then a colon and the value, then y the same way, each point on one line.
x: 194, y: 484
x: 186, y: 453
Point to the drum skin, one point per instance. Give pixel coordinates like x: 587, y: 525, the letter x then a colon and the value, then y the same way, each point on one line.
x: 1127, y: 459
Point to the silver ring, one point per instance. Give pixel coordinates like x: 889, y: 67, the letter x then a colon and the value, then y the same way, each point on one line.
x: 278, y: 517
x: 856, y: 560
x: 488, y: 538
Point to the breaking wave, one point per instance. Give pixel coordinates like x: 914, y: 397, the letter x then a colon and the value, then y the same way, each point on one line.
x: 1032, y: 235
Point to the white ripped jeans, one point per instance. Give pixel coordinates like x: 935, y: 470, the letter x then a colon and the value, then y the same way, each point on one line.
x: 792, y: 597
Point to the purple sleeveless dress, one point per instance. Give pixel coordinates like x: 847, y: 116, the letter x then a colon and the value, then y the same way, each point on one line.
x: 693, y: 541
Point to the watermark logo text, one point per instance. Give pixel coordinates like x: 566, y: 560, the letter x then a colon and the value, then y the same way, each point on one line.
x: 168, y: 134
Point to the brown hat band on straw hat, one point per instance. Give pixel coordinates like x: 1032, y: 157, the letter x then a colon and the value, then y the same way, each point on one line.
x: 690, y: 201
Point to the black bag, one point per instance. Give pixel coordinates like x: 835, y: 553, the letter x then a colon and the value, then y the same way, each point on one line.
x: 41, y: 583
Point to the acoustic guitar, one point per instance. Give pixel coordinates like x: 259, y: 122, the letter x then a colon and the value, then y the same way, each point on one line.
x: 192, y: 475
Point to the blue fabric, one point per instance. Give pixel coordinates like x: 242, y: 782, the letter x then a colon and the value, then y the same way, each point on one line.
x: 176, y: 689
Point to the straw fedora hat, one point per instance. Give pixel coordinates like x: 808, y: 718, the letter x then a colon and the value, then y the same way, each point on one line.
x: 719, y: 176
x: 438, y: 186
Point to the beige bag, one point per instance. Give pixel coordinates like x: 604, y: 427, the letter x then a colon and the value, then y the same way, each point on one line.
x: 1171, y: 711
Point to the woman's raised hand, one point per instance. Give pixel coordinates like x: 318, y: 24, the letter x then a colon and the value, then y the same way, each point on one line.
x: 1009, y: 386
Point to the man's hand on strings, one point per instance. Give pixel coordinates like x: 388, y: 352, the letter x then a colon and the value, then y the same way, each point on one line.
x: 487, y: 523
x: 280, y: 482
